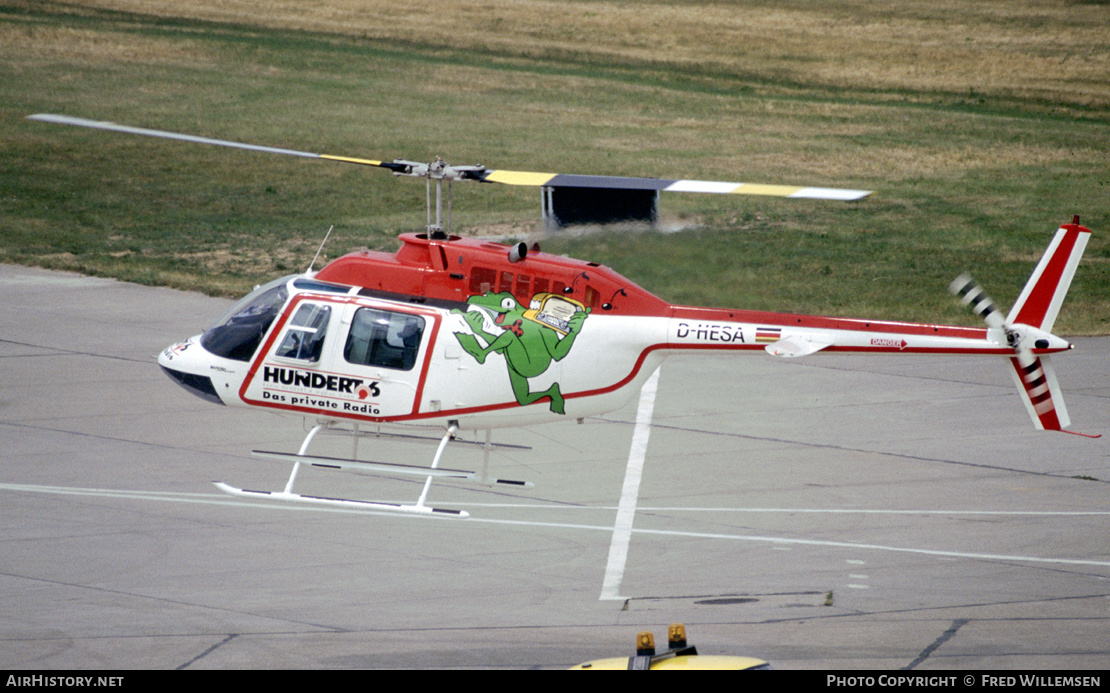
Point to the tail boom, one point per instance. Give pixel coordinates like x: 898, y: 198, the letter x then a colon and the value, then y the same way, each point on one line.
x: 1024, y: 336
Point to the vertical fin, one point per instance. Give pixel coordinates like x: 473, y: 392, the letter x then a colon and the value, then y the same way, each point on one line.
x: 1043, y: 295
x: 1039, y: 389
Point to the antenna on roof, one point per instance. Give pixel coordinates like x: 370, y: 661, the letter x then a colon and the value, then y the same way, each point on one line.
x: 319, y: 250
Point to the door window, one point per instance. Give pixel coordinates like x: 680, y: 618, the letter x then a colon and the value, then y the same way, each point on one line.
x: 304, y: 338
x: 383, y: 338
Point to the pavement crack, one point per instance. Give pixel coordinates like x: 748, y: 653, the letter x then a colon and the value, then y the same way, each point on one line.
x: 209, y: 651
x: 944, y: 637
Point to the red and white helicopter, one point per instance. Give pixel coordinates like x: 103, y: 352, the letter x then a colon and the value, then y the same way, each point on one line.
x: 461, y: 333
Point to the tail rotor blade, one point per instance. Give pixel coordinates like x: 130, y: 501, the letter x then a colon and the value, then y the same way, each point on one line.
x: 973, y: 296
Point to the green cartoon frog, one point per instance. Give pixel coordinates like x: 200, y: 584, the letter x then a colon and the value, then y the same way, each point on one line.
x: 530, y: 340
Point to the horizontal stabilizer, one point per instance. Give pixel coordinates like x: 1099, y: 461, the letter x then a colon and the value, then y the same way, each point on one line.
x: 795, y: 345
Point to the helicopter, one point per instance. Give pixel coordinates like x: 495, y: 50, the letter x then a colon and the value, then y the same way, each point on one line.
x: 469, y: 334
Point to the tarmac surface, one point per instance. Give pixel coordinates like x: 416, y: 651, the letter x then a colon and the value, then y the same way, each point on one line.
x: 829, y: 512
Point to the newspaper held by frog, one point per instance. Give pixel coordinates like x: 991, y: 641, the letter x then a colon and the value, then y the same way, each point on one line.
x: 553, y: 310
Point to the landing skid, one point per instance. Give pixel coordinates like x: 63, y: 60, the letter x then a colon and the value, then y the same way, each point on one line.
x: 338, y: 502
x: 357, y: 432
x: 388, y: 468
x: 420, y: 507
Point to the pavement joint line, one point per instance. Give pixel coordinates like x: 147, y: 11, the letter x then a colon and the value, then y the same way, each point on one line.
x: 219, y: 500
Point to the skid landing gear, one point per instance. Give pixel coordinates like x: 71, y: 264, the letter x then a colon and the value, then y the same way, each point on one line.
x: 420, y: 507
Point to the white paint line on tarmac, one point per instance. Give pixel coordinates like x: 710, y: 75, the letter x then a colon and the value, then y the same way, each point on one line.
x: 630, y: 492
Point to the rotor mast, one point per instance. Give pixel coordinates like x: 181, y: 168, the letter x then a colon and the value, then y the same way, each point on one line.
x: 437, y: 172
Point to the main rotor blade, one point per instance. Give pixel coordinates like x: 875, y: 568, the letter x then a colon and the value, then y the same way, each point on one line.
x: 439, y: 169
x: 564, y: 180
x: 115, y: 127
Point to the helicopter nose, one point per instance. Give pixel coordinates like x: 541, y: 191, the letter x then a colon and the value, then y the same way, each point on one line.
x: 185, y: 364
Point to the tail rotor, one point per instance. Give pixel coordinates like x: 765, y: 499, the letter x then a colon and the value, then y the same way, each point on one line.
x: 1026, y: 328
x: 976, y: 299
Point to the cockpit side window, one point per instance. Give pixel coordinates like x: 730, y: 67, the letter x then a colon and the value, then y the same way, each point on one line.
x: 384, y: 339
x: 238, y: 333
x: 304, y: 338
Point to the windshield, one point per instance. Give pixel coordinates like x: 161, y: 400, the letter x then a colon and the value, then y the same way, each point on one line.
x: 237, y: 334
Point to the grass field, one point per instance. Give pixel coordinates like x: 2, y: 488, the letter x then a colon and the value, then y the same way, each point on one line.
x: 982, y: 125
